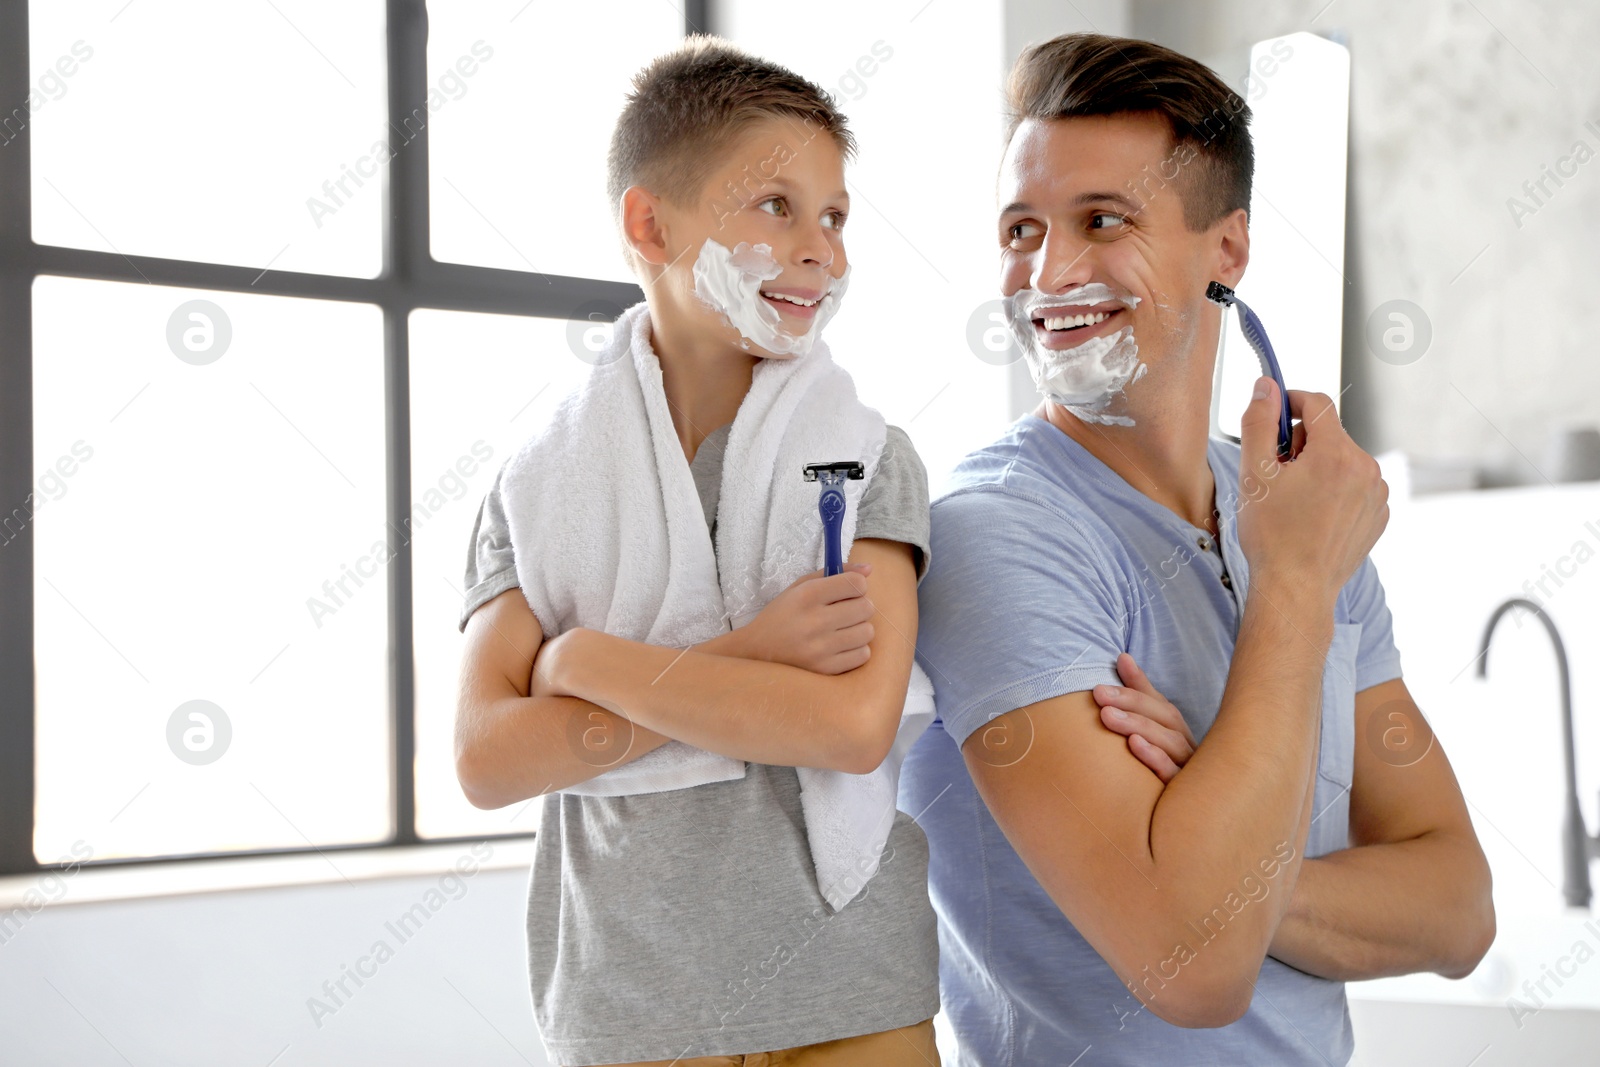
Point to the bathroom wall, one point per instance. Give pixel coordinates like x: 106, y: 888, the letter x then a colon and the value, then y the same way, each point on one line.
x: 1454, y: 106
x: 238, y: 977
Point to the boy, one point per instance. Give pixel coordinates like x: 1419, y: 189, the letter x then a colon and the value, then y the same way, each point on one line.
x: 684, y: 923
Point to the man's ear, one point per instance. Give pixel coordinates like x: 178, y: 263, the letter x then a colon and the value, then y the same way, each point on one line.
x: 642, y: 225
x: 1233, y: 247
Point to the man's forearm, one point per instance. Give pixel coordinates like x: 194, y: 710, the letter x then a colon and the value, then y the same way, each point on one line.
x: 1248, y: 787
x: 1387, y: 909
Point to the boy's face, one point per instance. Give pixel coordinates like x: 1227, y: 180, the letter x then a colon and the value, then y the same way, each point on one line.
x: 1104, y: 279
x: 781, y: 186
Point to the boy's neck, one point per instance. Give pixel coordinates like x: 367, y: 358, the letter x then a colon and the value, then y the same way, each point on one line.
x: 1163, y: 458
x: 705, y: 380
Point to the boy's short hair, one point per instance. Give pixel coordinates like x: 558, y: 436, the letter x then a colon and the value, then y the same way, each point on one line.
x: 1083, y: 74
x: 689, y: 105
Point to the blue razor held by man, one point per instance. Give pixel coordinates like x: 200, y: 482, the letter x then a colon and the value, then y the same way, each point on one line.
x: 831, y: 505
x: 1251, y: 327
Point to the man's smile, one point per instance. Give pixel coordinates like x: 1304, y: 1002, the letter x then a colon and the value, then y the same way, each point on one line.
x: 1069, y: 325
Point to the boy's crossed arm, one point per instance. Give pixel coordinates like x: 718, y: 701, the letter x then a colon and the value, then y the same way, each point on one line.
x: 818, y: 679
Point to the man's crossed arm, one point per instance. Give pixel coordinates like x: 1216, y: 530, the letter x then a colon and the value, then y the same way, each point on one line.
x: 1411, y: 893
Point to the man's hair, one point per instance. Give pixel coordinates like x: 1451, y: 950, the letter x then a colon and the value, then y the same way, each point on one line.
x: 1082, y: 74
x: 690, y: 105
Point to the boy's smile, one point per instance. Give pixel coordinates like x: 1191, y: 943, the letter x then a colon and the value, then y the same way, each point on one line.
x: 798, y: 302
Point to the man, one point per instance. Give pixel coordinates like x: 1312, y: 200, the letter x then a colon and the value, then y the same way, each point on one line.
x: 1092, y: 912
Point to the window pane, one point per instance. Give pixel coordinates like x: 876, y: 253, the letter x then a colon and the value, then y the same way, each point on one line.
x: 481, y: 385
x: 523, y: 98
x: 210, y: 637
x: 922, y: 208
x: 221, y: 132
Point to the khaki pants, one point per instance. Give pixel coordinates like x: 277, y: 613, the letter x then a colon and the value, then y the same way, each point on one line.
x: 909, y: 1046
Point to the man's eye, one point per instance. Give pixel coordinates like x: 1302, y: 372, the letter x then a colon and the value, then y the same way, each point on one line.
x: 1096, y: 224
x: 1021, y: 231
x: 775, y: 205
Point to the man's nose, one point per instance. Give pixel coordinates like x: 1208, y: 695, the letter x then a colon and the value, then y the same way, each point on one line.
x: 1064, y: 262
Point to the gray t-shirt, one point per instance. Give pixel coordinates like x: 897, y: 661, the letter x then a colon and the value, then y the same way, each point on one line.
x: 688, y: 923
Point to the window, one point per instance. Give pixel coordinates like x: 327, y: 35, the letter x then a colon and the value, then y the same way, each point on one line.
x: 236, y: 501
x: 481, y: 385
x: 172, y: 130
x: 210, y: 660
x: 518, y: 150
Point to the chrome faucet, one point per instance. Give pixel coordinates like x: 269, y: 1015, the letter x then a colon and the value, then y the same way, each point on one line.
x: 1578, y: 846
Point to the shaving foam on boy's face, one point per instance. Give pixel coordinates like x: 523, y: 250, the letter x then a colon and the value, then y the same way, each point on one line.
x: 782, y: 320
x: 1079, y: 346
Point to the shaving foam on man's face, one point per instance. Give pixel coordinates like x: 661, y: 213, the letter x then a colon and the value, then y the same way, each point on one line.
x: 1079, y: 347
x: 781, y: 320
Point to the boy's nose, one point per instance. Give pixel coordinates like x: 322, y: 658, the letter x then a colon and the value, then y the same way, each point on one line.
x: 812, y: 248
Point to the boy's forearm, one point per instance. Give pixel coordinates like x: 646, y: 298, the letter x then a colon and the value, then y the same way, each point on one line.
x: 529, y: 746
x: 742, y: 708
x: 543, y: 744
x: 1389, y: 909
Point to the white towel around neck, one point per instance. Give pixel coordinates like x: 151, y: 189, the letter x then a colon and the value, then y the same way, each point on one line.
x: 608, y: 533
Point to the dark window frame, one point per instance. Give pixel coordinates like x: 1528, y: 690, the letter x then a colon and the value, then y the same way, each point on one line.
x: 411, y: 278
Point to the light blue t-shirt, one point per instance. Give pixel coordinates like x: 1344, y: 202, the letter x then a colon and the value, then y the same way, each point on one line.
x: 1045, y: 565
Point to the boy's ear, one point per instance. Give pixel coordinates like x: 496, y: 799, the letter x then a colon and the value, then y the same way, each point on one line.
x: 642, y: 225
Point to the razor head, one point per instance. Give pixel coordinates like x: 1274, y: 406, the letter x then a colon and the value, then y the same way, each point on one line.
x: 851, y: 469
x: 1218, y: 293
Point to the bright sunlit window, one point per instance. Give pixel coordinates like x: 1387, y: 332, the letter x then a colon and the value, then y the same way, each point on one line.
x: 213, y: 589
x: 203, y: 683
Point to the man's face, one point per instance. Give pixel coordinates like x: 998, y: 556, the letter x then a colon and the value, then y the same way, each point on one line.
x: 1092, y: 215
x: 780, y: 186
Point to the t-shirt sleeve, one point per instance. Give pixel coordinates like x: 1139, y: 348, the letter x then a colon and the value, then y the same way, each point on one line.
x: 1377, y: 658
x: 1021, y: 604
x: 491, y: 570
x: 895, y: 505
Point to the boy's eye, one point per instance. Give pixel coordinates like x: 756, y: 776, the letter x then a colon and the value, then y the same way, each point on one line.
x: 834, y: 220
x: 1096, y: 224
x: 775, y: 205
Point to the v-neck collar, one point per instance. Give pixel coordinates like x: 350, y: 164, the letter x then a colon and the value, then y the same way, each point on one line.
x: 1102, y: 473
x: 1226, y: 543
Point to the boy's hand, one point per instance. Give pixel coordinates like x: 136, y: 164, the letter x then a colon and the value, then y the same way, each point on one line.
x: 818, y: 624
x: 1157, y: 735
x: 541, y: 679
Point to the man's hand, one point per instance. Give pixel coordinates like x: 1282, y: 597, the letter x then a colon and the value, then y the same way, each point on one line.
x: 1157, y: 734
x: 1305, y: 526
x: 818, y: 624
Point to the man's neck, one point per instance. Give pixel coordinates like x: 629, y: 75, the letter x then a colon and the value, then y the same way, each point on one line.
x: 705, y: 381
x: 1163, y: 458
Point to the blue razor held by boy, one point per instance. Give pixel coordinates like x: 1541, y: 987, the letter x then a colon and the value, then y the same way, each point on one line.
x: 1218, y: 293
x: 831, y: 506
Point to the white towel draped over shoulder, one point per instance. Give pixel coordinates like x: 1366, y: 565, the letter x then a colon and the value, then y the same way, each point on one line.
x: 608, y: 533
